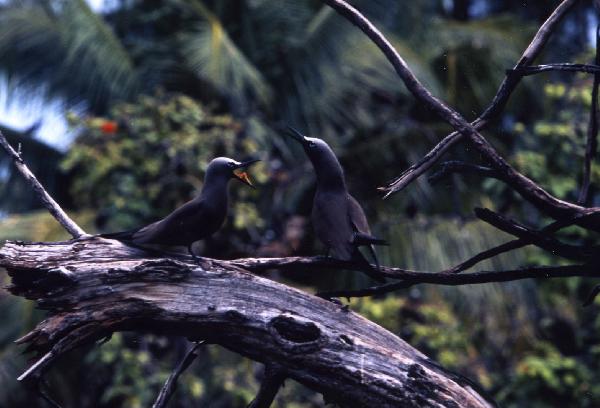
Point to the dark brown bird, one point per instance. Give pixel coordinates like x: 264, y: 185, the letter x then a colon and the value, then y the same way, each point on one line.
x: 338, y: 219
x: 197, y: 219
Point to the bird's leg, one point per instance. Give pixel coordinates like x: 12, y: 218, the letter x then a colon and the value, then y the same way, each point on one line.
x: 194, y: 257
x: 333, y: 300
x: 374, y: 256
x: 327, y: 255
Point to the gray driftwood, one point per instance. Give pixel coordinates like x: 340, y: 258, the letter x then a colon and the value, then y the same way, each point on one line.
x: 92, y: 287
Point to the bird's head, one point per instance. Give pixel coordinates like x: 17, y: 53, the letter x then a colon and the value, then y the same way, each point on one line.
x: 312, y: 146
x: 320, y: 154
x: 226, y: 168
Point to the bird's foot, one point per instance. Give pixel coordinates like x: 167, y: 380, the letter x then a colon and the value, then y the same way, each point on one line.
x: 323, y: 257
x: 105, y: 339
x: 334, y: 300
x: 195, y: 258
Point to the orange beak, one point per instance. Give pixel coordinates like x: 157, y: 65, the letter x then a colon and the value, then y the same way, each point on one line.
x: 243, y: 177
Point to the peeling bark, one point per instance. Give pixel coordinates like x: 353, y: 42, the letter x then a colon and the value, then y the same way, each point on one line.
x: 92, y: 287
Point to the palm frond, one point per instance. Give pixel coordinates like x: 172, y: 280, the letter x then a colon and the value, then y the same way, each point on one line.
x: 68, y: 52
x: 475, y: 55
x: 338, y: 67
x: 214, y: 57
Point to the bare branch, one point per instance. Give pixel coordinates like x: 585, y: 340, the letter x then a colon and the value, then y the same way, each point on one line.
x: 40, y: 389
x: 496, y: 106
x: 171, y: 384
x: 512, y: 245
x: 258, y: 265
x: 564, y: 67
x: 592, y: 135
x: 592, y: 296
x: 537, y: 238
x: 274, y: 377
x: 455, y: 166
x: 443, y: 278
x: 52, y: 206
x: 37, y: 366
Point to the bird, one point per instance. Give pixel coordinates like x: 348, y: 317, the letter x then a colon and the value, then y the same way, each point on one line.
x: 197, y: 219
x: 337, y: 218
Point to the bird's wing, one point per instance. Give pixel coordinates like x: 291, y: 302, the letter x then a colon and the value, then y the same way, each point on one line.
x: 357, y: 216
x: 121, y: 235
x: 362, y: 234
x: 172, y: 228
x: 362, y: 231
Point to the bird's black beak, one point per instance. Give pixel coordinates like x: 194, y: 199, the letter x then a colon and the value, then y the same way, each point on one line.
x: 242, y: 175
x: 297, y: 136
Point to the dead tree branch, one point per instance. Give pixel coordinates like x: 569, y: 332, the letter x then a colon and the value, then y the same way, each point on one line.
x: 537, y: 238
x: 564, y: 67
x: 592, y: 134
x: 171, y: 384
x: 92, y: 287
x: 443, y: 278
x: 529, y: 190
x: 498, y: 103
x: 274, y: 376
x: 51, y: 205
x: 456, y: 166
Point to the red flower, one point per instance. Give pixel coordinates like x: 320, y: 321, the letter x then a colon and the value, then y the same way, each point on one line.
x: 109, y: 127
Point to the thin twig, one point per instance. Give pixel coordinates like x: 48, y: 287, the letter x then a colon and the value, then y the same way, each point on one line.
x: 274, y: 377
x: 498, y: 103
x: 171, y: 384
x: 456, y: 166
x: 592, y: 296
x: 442, y: 278
x: 564, y: 67
x: 512, y: 245
x: 51, y: 205
x: 592, y: 135
x: 44, y: 394
x: 537, y: 238
x: 38, y: 365
x: 258, y: 265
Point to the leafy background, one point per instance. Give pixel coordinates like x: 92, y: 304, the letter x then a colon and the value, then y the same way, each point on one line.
x: 153, y: 90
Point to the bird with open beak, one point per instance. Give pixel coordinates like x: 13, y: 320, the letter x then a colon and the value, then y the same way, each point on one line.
x: 338, y: 219
x: 197, y: 219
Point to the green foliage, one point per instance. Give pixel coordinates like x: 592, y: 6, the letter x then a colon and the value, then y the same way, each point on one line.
x: 40, y: 226
x: 65, y: 47
x: 555, y: 379
x: 212, y: 55
x: 150, y: 157
x: 548, y: 149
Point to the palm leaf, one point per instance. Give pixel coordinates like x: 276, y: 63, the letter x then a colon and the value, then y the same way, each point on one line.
x: 214, y: 57
x: 339, y: 67
x: 481, y: 51
x: 67, y: 51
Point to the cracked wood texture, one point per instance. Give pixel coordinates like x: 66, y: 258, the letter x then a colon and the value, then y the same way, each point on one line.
x: 92, y: 287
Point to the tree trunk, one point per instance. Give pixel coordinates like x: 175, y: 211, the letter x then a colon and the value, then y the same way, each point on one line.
x: 92, y: 287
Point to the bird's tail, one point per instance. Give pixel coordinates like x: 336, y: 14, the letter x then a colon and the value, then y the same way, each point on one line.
x: 360, y: 239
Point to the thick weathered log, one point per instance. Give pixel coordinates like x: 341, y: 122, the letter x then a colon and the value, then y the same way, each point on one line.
x: 93, y: 287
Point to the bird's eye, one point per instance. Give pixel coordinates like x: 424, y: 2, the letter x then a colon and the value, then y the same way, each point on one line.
x: 231, y: 164
x: 311, y: 144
